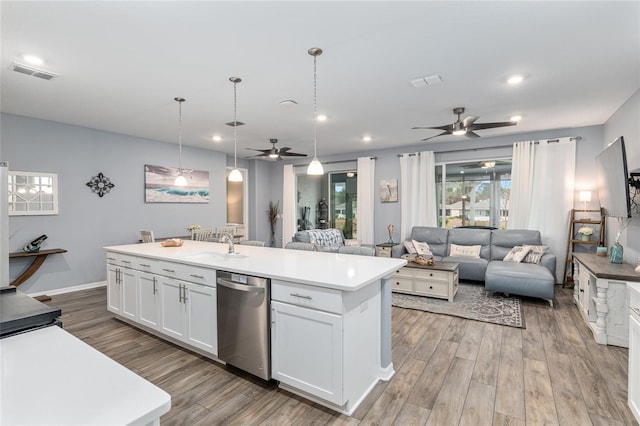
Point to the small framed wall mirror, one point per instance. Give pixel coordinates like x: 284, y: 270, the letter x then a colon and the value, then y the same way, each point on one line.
x: 32, y: 193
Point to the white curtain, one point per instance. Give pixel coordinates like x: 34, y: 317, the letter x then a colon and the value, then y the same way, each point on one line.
x: 366, y: 197
x: 288, y: 203
x: 521, y: 185
x: 550, y: 195
x: 417, y: 192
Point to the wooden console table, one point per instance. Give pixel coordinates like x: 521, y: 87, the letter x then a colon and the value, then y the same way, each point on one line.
x: 38, y: 259
x: 602, y: 298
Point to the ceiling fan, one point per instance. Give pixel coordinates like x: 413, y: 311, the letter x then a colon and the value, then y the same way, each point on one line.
x: 465, y: 126
x: 276, y: 153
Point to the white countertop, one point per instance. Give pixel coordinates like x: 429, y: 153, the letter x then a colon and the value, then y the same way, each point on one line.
x: 338, y: 271
x: 50, y: 377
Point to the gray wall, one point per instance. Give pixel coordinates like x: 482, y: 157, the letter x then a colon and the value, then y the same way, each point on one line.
x: 85, y: 222
x: 626, y: 122
x: 388, y: 165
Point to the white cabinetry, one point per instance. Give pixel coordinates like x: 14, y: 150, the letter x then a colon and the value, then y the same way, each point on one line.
x: 176, y: 300
x: 323, y: 345
x: 121, y: 286
x: 602, y: 298
x: 634, y: 350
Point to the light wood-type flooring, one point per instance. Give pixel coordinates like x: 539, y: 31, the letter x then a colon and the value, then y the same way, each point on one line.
x: 449, y: 371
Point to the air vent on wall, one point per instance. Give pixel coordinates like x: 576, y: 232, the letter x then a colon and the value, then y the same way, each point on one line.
x: 35, y: 72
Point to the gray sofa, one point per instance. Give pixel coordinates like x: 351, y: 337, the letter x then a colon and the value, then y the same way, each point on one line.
x: 525, y: 279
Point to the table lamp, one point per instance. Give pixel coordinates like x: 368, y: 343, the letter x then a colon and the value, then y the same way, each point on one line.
x: 585, y: 197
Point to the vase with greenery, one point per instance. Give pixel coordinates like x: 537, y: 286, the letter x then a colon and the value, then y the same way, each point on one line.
x: 273, y: 212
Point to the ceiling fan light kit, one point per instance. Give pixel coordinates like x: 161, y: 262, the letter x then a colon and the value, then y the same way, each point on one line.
x: 235, y: 175
x: 315, y: 167
x: 180, y: 180
x: 276, y: 153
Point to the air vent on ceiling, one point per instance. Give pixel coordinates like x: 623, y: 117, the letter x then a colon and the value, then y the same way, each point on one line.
x: 35, y: 72
x: 428, y: 80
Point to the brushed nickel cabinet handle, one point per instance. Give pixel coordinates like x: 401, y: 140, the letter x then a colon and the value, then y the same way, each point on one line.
x: 300, y: 296
x: 168, y: 270
x: 197, y: 276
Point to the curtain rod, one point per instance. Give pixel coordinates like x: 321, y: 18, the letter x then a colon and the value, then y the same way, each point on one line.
x: 572, y: 138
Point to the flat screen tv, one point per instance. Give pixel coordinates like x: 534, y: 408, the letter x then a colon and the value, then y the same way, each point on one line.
x: 613, y: 180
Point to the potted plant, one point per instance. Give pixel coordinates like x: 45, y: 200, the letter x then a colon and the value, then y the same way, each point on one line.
x: 273, y: 213
x: 585, y: 233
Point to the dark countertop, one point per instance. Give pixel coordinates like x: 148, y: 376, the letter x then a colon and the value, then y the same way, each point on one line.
x: 21, y: 312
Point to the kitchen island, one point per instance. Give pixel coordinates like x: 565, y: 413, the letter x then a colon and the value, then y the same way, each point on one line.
x: 330, y: 316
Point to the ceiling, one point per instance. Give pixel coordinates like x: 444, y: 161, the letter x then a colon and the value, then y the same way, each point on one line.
x: 121, y: 64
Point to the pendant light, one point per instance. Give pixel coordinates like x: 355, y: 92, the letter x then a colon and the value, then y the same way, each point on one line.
x: 180, y: 180
x: 315, y: 167
x: 235, y: 175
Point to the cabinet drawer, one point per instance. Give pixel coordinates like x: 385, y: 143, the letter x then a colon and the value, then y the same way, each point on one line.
x: 188, y: 273
x: 403, y: 273
x: 324, y: 299
x: 383, y: 251
x: 111, y: 258
x: 402, y: 283
x: 147, y: 265
x: 431, y: 275
x: 126, y: 261
x: 432, y: 288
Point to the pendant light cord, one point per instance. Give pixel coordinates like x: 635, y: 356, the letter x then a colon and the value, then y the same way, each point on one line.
x: 180, y: 136
x: 235, y: 126
x: 315, y: 109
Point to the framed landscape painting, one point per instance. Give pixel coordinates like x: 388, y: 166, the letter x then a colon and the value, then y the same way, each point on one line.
x: 159, y: 185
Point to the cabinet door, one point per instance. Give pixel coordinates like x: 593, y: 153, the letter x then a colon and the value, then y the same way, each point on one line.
x: 306, y: 350
x: 128, y: 286
x: 113, y: 289
x: 201, y: 317
x: 172, y: 308
x: 148, y: 300
x: 634, y: 367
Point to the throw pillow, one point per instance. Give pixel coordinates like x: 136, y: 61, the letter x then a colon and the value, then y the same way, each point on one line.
x: 410, y: 247
x: 517, y: 254
x: 422, y: 248
x: 535, y: 254
x: 352, y: 242
x: 465, y: 251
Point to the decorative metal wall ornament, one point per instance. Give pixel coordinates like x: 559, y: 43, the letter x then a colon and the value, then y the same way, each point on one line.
x: 100, y: 184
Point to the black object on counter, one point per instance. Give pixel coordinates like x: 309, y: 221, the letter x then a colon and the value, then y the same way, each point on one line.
x: 20, y: 313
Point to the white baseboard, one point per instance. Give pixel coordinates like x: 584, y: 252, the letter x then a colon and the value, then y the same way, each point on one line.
x: 69, y: 289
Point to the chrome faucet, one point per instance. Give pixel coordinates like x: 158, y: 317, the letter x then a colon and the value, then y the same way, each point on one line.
x: 229, y: 238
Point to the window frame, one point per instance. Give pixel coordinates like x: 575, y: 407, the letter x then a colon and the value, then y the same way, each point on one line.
x: 13, y: 191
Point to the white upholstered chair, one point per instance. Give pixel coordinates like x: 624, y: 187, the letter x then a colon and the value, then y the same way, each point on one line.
x: 147, y: 236
x: 201, y: 234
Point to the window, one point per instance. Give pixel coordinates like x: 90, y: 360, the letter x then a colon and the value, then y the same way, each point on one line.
x: 474, y: 193
x: 32, y: 193
x: 328, y: 201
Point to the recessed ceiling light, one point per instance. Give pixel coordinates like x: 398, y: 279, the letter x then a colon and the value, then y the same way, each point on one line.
x: 366, y: 138
x: 217, y: 138
x: 515, y: 79
x: 515, y: 118
x: 33, y: 60
x: 322, y: 117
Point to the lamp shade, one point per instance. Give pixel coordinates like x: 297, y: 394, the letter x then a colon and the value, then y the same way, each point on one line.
x: 180, y: 181
x: 585, y: 196
x: 235, y: 176
x: 315, y: 167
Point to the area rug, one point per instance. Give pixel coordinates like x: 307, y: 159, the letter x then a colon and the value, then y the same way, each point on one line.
x: 471, y: 302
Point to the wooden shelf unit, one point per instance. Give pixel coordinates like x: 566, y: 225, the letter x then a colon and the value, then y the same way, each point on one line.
x: 568, y: 279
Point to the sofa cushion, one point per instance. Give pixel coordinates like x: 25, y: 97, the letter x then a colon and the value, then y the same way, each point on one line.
x: 470, y: 268
x: 517, y: 254
x: 535, y: 254
x: 435, y: 237
x: 502, y: 241
x: 421, y: 248
x: 472, y: 237
x: 465, y: 251
x: 409, y: 247
x: 525, y: 279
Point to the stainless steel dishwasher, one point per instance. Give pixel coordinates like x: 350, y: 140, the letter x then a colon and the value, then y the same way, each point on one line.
x: 243, y: 322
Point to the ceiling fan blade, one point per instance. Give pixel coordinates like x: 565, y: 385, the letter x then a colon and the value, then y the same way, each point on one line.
x: 443, y: 133
x: 470, y: 134
x: 468, y: 121
x: 264, y: 151
x: 482, y: 126
x: 446, y: 127
x: 292, y: 154
x: 284, y: 149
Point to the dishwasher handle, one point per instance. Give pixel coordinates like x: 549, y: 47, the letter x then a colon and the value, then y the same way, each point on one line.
x: 241, y: 287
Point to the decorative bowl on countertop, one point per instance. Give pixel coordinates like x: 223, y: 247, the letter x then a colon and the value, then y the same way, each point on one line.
x: 172, y: 242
